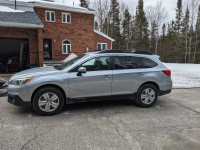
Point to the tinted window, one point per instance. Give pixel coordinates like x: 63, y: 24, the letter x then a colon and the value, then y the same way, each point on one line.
x: 147, y: 63
x: 127, y: 62
x: 95, y: 64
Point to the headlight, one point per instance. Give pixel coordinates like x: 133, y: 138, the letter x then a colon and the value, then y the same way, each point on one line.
x: 19, y: 82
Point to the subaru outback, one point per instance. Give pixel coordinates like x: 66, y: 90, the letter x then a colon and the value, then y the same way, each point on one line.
x: 97, y: 75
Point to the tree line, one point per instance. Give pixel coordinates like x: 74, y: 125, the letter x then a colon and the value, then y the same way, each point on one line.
x: 177, y: 40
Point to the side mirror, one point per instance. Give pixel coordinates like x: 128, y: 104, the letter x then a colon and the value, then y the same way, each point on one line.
x: 81, y: 70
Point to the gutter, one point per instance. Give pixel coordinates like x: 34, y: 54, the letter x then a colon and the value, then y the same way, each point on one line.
x: 20, y: 25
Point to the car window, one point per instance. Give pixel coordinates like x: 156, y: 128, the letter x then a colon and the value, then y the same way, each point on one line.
x: 127, y: 62
x: 95, y: 64
x: 148, y: 63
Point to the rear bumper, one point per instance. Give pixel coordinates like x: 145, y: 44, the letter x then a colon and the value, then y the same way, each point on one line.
x: 164, y: 92
x: 16, y: 100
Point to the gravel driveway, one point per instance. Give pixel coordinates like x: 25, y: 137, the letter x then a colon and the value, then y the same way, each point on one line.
x: 173, y: 123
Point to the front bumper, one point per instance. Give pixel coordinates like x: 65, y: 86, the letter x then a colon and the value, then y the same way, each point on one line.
x: 16, y: 100
x: 4, y: 85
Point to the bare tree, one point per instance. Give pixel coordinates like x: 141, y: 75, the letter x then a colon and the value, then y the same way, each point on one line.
x: 193, y: 7
x: 102, y: 10
x: 156, y: 15
x: 197, y: 35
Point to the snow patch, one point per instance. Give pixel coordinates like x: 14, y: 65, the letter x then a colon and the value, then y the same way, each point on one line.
x: 57, y: 3
x: 185, y: 75
x: 7, y: 9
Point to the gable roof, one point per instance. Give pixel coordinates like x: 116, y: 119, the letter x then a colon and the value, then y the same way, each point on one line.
x: 15, y: 18
x: 104, y: 35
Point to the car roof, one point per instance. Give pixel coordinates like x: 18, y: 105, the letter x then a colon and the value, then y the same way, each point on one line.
x: 136, y: 53
x: 120, y: 52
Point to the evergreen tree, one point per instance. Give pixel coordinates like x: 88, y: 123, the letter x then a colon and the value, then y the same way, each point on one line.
x: 179, y: 16
x: 185, y: 32
x: 142, y: 27
x: 170, y: 43
x: 126, y: 28
x: 84, y: 3
x: 163, y: 41
x: 163, y: 30
x: 178, y: 25
x: 197, y: 38
x: 154, y: 29
x: 115, y: 23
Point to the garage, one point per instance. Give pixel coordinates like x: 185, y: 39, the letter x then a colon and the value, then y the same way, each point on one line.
x: 14, y: 54
x: 19, y: 40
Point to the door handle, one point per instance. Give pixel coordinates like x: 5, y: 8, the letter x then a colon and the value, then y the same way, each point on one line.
x: 107, y: 76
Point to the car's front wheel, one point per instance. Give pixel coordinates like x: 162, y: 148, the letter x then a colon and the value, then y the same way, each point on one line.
x: 48, y: 101
x: 147, y: 95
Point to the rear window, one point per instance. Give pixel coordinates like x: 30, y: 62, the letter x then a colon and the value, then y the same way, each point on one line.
x: 127, y: 62
x: 148, y: 63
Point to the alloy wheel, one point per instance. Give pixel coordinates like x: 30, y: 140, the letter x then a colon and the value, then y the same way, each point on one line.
x: 48, y: 102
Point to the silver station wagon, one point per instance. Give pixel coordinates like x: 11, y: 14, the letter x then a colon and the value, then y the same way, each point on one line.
x: 97, y: 75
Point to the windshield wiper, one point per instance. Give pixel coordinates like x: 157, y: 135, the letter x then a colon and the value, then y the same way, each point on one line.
x: 57, y: 67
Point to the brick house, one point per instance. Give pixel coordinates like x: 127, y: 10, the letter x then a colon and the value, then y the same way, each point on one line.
x: 42, y: 31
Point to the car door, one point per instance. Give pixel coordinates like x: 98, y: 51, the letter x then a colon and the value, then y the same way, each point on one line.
x: 95, y: 82
x: 127, y: 75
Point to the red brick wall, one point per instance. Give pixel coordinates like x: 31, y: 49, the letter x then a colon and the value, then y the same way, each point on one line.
x: 101, y: 39
x: 80, y: 32
x: 30, y: 34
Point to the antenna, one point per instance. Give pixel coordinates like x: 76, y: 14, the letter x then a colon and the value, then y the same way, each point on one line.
x: 73, y: 3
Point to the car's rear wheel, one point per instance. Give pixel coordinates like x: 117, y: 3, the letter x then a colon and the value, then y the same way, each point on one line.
x: 48, y: 101
x: 147, y: 95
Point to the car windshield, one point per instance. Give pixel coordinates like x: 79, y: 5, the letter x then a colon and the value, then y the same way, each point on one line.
x: 68, y: 63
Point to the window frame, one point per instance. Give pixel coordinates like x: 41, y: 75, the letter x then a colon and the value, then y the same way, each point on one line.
x: 110, y: 65
x: 66, y: 14
x: 66, y: 47
x: 157, y: 64
x: 101, y: 46
x: 49, y: 11
x: 127, y: 56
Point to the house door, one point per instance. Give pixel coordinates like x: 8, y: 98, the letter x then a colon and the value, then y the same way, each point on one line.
x: 47, y: 49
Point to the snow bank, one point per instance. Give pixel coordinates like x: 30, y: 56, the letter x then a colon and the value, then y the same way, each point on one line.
x: 185, y: 75
x: 7, y: 9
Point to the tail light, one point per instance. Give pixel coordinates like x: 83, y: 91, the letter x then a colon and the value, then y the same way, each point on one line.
x: 167, y: 72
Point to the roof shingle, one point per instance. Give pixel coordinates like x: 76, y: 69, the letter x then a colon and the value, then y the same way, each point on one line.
x: 20, y: 17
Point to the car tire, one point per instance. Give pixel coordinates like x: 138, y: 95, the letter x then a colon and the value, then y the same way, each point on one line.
x: 147, y: 95
x: 48, y: 101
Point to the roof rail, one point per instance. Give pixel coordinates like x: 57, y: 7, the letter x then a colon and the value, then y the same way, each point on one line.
x: 127, y: 51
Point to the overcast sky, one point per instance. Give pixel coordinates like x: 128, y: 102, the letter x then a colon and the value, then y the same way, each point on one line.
x: 170, y: 5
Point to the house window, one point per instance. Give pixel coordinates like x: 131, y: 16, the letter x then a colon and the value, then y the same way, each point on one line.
x: 66, y: 47
x: 66, y: 18
x: 50, y: 16
x: 102, y: 46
